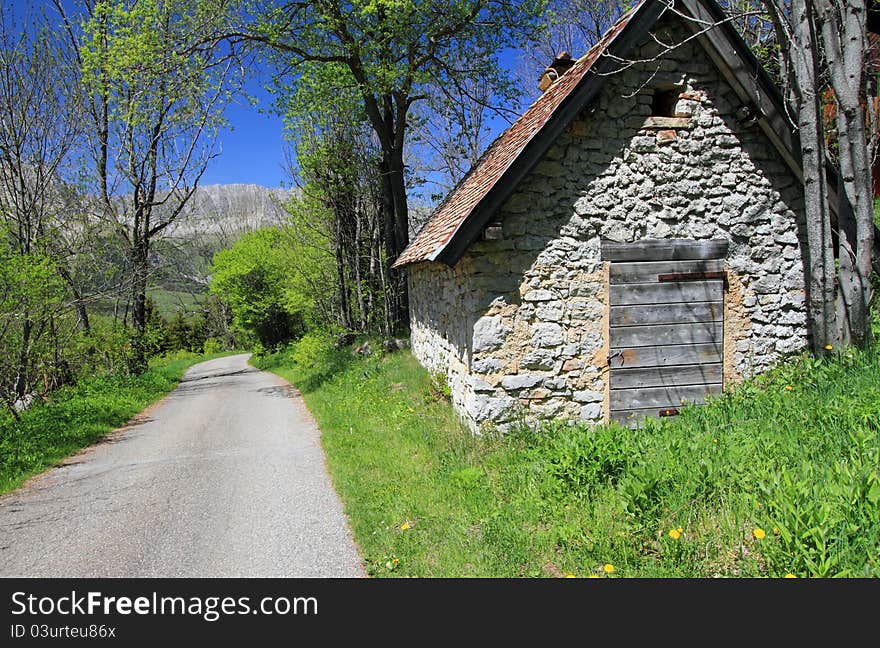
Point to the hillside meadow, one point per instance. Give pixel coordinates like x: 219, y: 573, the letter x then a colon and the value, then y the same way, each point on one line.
x: 779, y: 478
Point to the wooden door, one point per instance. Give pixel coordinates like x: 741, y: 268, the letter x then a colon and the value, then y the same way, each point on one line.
x: 666, y: 327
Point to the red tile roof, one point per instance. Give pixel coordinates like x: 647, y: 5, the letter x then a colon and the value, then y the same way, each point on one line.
x: 492, y: 165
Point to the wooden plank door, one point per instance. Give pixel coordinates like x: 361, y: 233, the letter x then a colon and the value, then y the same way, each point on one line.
x: 666, y: 327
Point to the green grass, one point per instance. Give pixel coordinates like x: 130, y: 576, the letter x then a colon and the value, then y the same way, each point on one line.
x: 77, y: 416
x: 166, y: 302
x: 796, y: 451
x: 170, y: 302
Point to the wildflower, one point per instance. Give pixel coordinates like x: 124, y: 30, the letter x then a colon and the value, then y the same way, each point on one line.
x: 570, y: 576
x: 404, y: 526
x: 790, y: 576
x: 759, y: 533
x: 788, y: 388
x: 675, y: 534
x: 609, y: 568
x: 714, y: 440
x: 594, y: 576
x: 828, y: 347
x: 775, y: 530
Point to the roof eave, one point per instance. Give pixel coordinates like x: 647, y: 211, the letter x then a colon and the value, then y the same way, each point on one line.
x: 639, y: 23
x: 748, y: 78
x: 752, y: 82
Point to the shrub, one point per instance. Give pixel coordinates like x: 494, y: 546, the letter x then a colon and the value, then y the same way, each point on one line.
x: 213, y: 345
x: 312, y: 349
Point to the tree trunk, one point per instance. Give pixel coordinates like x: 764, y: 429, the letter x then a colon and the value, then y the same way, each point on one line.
x: 356, y: 267
x: 845, y: 43
x: 82, y: 314
x: 401, y: 235
x: 387, y: 307
x: 821, y: 286
x: 139, y: 258
x: 344, y: 313
x: 22, y: 384
x: 375, y: 260
x: 78, y: 302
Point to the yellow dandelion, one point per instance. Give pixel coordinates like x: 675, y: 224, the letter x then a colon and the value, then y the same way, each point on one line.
x: 396, y: 560
x: 609, y: 568
x: 828, y: 347
x: 775, y: 530
x: 714, y: 440
x: 594, y: 576
x: 675, y: 534
x: 788, y: 388
x: 404, y: 526
x: 570, y: 576
x: 790, y: 576
x: 758, y: 533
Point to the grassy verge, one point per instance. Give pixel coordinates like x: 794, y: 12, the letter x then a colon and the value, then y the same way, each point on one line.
x: 79, y: 415
x: 171, y: 302
x: 780, y: 477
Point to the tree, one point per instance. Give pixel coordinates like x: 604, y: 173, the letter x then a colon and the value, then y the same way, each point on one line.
x: 268, y: 298
x: 31, y: 293
x: 842, y: 26
x: 38, y: 132
x: 452, y: 129
x: 395, y: 53
x: 572, y: 26
x: 825, y: 39
x: 796, y: 32
x: 338, y: 209
x: 155, y: 84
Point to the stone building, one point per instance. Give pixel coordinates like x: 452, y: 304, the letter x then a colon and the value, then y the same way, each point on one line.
x: 634, y: 241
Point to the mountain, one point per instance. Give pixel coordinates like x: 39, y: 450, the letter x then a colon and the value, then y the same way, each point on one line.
x: 227, y: 211
x: 214, y: 219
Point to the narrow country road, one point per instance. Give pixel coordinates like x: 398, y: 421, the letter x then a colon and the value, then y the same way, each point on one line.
x: 223, y: 478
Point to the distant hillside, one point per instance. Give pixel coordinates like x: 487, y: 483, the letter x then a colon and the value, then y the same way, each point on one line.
x: 214, y: 219
x: 230, y: 210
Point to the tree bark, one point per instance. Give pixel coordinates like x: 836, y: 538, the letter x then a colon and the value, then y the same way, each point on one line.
x: 342, y: 292
x: 140, y: 252
x: 22, y: 382
x: 821, y: 286
x: 401, y: 234
x: 78, y: 301
x: 356, y: 268
x: 843, y: 29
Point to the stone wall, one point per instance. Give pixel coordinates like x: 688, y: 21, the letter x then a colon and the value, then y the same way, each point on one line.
x: 520, y: 324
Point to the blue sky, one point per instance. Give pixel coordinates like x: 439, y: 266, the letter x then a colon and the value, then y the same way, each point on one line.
x: 252, y: 148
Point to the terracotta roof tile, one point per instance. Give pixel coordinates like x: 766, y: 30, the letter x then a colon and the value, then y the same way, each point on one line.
x: 491, y: 166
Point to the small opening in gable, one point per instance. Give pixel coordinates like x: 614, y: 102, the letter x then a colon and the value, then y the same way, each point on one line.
x: 664, y: 101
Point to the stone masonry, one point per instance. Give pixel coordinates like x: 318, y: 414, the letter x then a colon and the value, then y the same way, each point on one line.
x: 520, y: 325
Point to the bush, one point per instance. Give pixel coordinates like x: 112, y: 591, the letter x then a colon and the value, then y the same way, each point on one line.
x: 214, y: 345
x: 257, y: 281
x: 312, y: 349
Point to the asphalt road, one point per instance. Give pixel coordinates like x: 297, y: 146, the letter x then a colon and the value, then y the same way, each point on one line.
x: 223, y: 478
